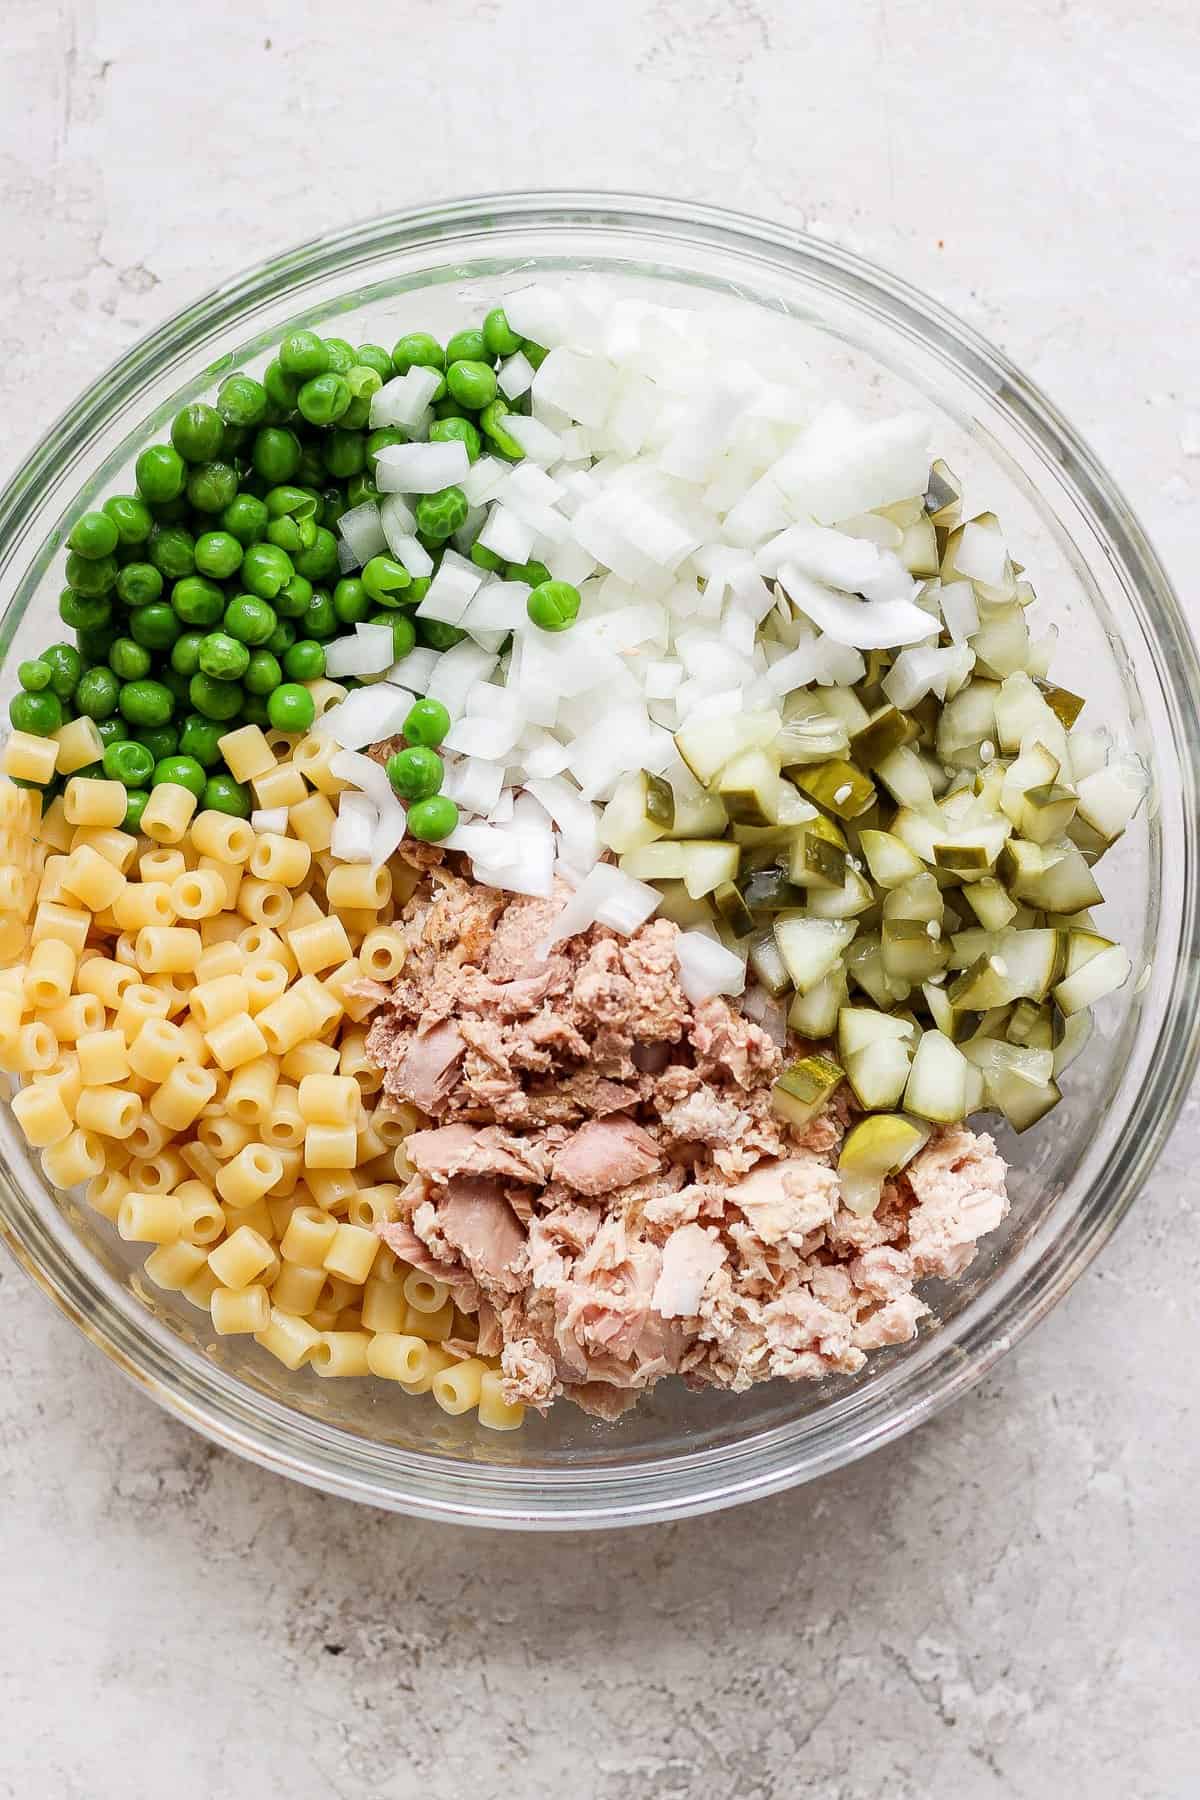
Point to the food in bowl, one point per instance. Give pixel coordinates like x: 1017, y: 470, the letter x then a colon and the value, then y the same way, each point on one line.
x: 537, y: 851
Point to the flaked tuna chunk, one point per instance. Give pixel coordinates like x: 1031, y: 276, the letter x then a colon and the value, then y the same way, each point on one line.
x: 731, y: 1047
x: 958, y: 1183
x: 476, y: 1220
x: 893, y: 1323
x: 429, y: 1068
x: 413, y: 1250
x: 690, y: 1256
x: 606, y: 1154
x: 524, y: 923
x: 785, y: 1201
x: 529, y: 1374
x: 488, y: 1150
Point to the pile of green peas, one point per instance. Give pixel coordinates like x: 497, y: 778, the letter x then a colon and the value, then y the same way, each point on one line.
x: 203, y: 601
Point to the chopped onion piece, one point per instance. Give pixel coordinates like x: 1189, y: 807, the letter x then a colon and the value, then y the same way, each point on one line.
x: 457, y: 671
x: 366, y: 715
x: 404, y: 400
x: 474, y: 786
x: 706, y: 967
x: 364, y: 773
x: 624, y: 903
x: 489, y: 739
x: 273, y: 818
x: 362, y: 532
x: 421, y: 468
x: 451, y: 589
x: 368, y: 652
x: 927, y: 670
x: 536, y: 440
x: 959, y: 609
x: 507, y: 535
x: 415, y: 671
x: 514, y: 377
x: 862, y: 624
x: 354, y: 828
x: 389, y: 833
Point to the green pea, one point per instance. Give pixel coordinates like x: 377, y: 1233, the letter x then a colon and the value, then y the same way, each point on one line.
x: 172, y: 550
x: 342, y: 355
x: 498, y: 334
x: 320, y: 559
x: 305, y: 661
x: 146, y: 702
x: 467, y: 346
x: 97, y: 693
x: 534, y: 354
x: 160, y: 473
x: 93, y: 577
x: 200, y: 738
x: 94, y: 535
x: 265, y: 569
x: 292, y: 600
x: 440, y: 515
x: 223, y: 794
x: 291, y: 707
x: 135, y: 807
x: 491, y: 421
x: 434, y: 635
x: 82, y: 614
x: 139, y: 583
x: 222, y: 657
x: 246, y: 519
x: 281, y: 390
x: 324, y: 399
x: 384, y: 580
x: 39, y: 714
x: 254, y: 710
x: 218, y: 554
x: 427, y: 723
x: 242, y: 401
x: 128, y: 762
x: 180, y: 771
x: 198, y: 601
x: 351, y: 601
x: 553, y: 606
x: 374, y: 356
x: 214, y: 697
x: 212, y: 486
x: 302, y: 354
x: 160, y: 740
x: 319, y: 620
x: 345, y: 453
x: 333, y: 505
x: 249, y: 619
x: 128, y: 660
x: 66, y: 666
x: 288, y: 500
x: 404, y: 634
x: 421, y: 585
x: 472, y: 384
x: 95, y: 642
x: 415, y: 773
x: 462, y: 431
x: 446, y: 408
x: 197, y: 432
x: 281, y: 639
x: 111, y: 731
x: 263, y: 673
x: 178, y: 684
x: 34, y: 676
x: 432, y: 820
x: 384, y: 437
x: 416, y: 349
x: 359, y: 489
x: 131, y: 516
x: 169, y: 512
x: 185, y: 653
x: 156, y: 626
x: 276, y: 454
x: 291, y: 535
x: 485, y: 559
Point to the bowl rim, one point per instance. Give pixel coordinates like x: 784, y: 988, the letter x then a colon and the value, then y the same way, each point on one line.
x: 710, y: 1478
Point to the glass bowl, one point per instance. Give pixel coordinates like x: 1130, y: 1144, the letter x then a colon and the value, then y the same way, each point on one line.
x: 1123, y: 643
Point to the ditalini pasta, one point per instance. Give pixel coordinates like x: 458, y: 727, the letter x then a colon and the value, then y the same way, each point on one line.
x: 183, y: 1016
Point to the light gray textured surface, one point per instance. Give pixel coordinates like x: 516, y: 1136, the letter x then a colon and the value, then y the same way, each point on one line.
x: 1004, y: 1605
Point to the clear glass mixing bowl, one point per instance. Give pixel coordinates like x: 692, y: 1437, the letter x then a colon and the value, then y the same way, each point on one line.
x: 1123, y: 643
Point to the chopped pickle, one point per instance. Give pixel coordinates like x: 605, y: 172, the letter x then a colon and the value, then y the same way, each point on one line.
x: 810, y: 948
x: 877, y: 1147
x: 809, y: 732
x: 749, y: 787
x: 1065, y: 705
x: 659, y: 802
x: 804, y: 1087
x: 1046, y: 812
x: 732, y: 907
x: 885, y: 731
x: 966, y: 859
x: 770, y: 890
x: 837, y: 786
x: 815, y: 860
x: 943, y: 496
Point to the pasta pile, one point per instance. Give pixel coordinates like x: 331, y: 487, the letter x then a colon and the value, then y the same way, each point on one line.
x: 179, y: 1010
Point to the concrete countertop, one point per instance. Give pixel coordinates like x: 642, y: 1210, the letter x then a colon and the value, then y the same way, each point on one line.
x: 1003, y: 1605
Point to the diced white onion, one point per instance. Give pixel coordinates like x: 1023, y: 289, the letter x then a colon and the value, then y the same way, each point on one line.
x: 421, y: 468
x: 863, y: 624
x: 273, y: 818
x: 706, y: 967
x: 451, y: 590
x: 366, y: 715
x: 362, y: 532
